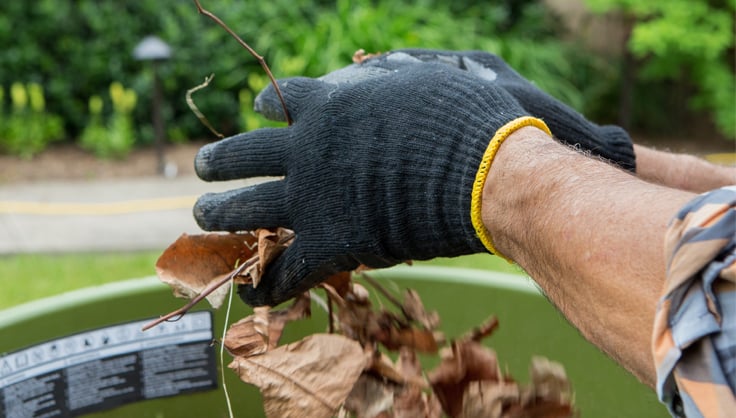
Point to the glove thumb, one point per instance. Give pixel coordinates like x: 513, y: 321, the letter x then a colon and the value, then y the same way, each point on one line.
x: 293, y: 272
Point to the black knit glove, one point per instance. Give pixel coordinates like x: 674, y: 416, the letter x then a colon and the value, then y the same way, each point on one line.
x: 567, y: 125
x: 377, y: 170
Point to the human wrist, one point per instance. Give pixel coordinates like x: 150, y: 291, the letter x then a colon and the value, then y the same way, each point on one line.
x: 477, y: 195
x: 512, y: 184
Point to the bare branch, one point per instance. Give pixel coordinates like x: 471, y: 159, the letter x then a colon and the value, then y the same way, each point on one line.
x: 255, y: 55
x: 209, y: 289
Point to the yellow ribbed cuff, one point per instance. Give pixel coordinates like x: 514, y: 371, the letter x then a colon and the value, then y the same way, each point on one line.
x: 482, y: 174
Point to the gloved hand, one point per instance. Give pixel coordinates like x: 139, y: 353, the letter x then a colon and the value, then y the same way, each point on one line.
x: 567, y: 125
x: 377, y: 170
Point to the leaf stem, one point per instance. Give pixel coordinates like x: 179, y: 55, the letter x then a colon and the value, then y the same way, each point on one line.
x: 222, y: 354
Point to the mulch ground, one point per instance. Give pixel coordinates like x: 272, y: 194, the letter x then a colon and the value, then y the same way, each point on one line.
x: 69, y: 162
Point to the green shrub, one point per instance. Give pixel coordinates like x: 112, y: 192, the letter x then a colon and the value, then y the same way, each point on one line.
x: 28, y: 128
x: 75, y: 49
x: 121, y: 135
x: 95, y: 132
x: 326, y: 40
x: 689, y: 42
x: 116, y: 138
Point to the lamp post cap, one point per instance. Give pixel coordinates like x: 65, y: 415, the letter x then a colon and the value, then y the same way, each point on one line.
x: 152, y: 48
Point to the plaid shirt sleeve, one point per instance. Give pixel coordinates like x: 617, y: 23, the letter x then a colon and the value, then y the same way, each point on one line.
x: 694, y: 337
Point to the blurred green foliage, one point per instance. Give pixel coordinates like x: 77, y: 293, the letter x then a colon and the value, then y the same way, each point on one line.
x: 116, y: 138
x: 28, y: 127
x: 77, y: 48
x: 690, y: 41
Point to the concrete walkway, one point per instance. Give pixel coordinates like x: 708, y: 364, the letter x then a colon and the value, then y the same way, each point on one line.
x: 111, y: 215
x: 146, y: 213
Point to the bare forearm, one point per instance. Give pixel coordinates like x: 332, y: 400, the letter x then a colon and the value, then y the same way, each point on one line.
x: 681, y: 171
x: 589, y: 234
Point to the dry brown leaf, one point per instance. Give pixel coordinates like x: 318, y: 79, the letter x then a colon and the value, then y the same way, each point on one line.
x: 341, y: 282
x: 249, y: 336
x: 261, y: 321
x: 487, y: 398
x: 381, y: 365
x: 359, y: 56
x: 194, y: 261
x: 300, y: 380
x: 356, y: 318
x: 270, y: 245
x: 468, y: 361
x: 408, y: 363
x: 358, y: 294
x: 549, y: 394
x: 394, y: 391
x: 370, y: 397
x: 411, y: 401
x: 415, y: 311
x: 257, y: 333
x: 434, y: 408
x: 422, y: 340
x: 549, y: 380
x: 484, y: 330
x: 539, y: 409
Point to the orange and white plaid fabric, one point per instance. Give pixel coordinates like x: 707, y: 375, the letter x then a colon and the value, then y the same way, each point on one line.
x: 694, y: 338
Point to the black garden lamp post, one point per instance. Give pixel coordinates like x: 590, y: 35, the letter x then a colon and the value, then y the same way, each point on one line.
x: 153, y: 49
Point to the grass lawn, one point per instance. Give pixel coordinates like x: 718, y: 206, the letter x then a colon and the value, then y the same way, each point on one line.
x: 32, y: 276
x: 476, y: 261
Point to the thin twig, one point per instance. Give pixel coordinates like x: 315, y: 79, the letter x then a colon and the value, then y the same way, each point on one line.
x: 255, y: 55
x: 373, y: 282
x: 483, y: 330
x: 193, y: 107
x: 330, y: 319
x: 206, y: 292
x: 333, y: 295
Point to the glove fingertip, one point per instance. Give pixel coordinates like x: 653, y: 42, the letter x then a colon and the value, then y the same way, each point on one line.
x: 268, y: 104
x: 202, y: 163
x: 202, y: 209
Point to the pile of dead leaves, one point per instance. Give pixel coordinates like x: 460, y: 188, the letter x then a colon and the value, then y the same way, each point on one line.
x: 300, y: 380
